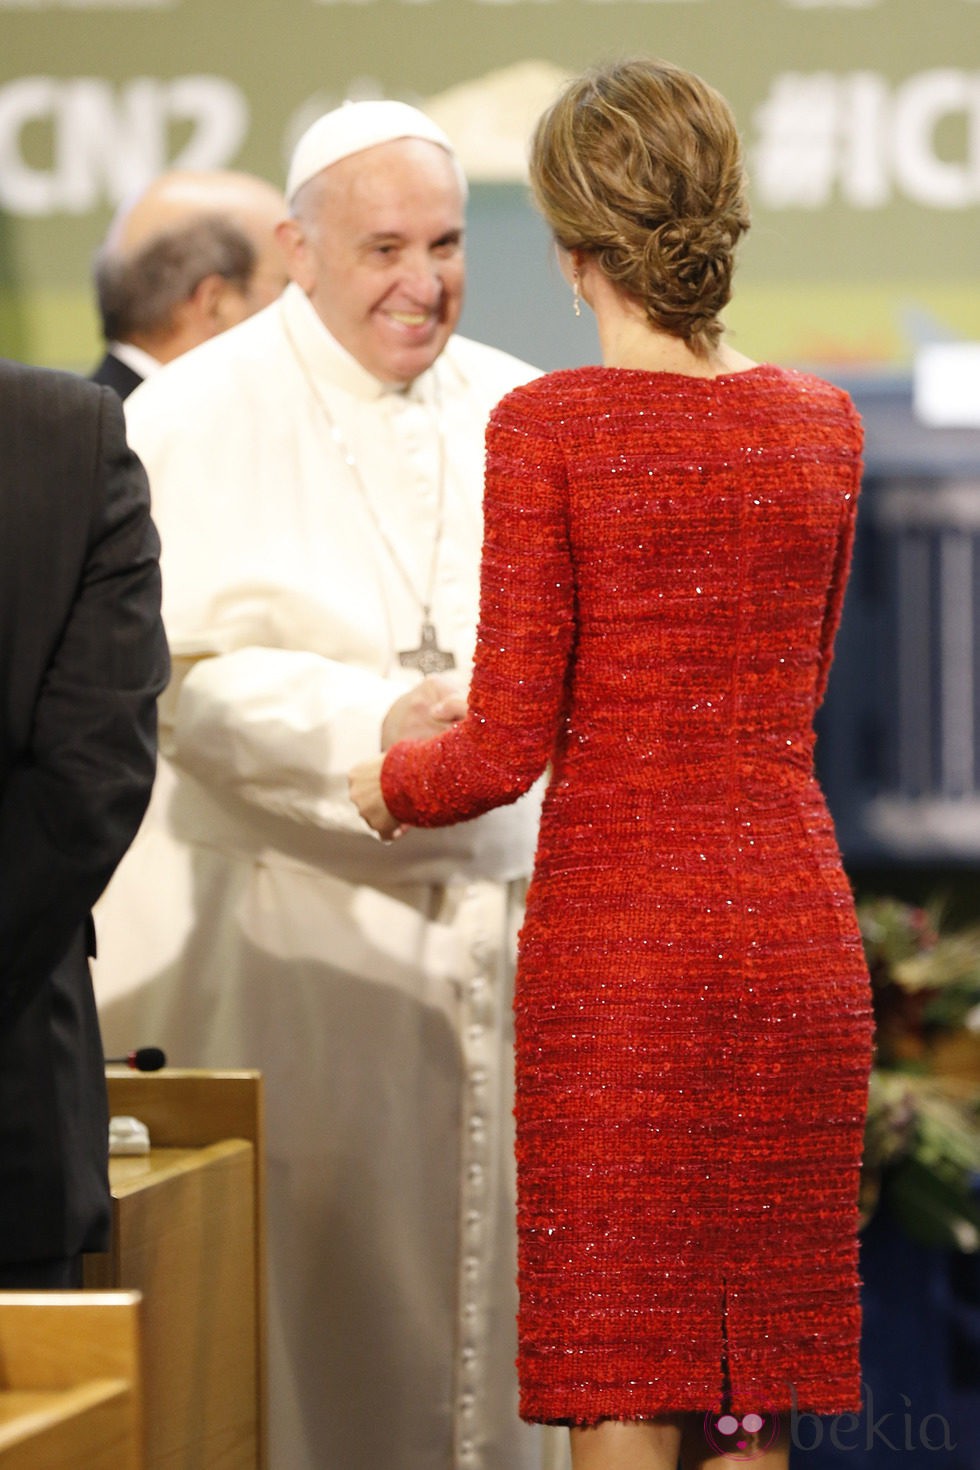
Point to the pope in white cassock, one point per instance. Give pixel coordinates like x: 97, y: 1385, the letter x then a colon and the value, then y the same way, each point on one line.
x: 317, y: 477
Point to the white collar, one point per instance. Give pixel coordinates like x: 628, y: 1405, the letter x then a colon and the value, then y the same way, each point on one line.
x: 326, y: 358
x: 135, y: 357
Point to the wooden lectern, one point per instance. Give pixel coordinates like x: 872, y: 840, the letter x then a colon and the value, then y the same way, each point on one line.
x: 188, y: 1233
x: 70, y: 1381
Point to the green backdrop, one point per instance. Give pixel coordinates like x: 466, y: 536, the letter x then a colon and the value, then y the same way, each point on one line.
x: 861, y: 120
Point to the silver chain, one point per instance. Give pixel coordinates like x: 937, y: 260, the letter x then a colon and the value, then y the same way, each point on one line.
x: 350, y: 461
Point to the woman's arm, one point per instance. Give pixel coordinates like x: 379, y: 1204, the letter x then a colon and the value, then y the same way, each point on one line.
x: 527, y: 601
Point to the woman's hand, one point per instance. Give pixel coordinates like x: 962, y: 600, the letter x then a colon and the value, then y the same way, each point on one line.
x: 364, y: 785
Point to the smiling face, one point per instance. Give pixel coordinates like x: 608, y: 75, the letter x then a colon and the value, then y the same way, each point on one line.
x: 377, y: 245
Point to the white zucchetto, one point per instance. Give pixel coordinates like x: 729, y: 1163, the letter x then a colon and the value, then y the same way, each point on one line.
x: 353, y: 127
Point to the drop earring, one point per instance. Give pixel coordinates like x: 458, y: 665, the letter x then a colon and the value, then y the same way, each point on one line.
x: 576, y: 304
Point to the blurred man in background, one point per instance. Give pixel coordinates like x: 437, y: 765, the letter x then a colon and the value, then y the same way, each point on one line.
x: 194, y: 254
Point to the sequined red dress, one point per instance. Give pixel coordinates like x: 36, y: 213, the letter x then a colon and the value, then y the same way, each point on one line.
x: 663, y: 571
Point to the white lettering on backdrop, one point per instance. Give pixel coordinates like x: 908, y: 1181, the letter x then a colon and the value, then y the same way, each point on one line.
x: 71, y: 145
x: 820, y: 134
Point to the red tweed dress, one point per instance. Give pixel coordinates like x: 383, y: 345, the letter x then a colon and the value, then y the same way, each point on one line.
x: 663, y: 571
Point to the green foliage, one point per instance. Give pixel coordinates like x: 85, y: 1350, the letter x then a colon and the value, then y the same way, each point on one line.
x: 922, y: 1140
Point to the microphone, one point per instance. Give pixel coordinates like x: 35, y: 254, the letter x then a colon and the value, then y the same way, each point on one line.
x: 143, y: 1059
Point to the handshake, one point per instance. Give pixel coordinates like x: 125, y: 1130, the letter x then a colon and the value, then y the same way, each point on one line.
x: 427, y: 710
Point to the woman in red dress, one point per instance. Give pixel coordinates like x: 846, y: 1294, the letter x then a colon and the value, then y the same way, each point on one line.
x: 667, y: 539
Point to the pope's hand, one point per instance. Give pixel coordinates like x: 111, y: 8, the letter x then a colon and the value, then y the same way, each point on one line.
x: 427, y: 709
x: 364, y: 784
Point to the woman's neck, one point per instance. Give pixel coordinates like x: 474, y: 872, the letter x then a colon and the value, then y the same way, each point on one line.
x: 629, y: 340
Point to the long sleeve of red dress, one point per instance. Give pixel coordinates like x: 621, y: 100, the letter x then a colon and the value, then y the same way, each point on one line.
x: 525, y: 634
x: 835, y: 597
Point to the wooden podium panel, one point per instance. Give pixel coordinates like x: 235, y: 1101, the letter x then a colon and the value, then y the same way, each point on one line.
x: 70, y: 1381
x: 188, y: 1233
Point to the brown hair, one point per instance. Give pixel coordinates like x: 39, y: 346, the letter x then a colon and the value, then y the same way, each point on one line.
x: 140, y: 292
x: 638, y: 164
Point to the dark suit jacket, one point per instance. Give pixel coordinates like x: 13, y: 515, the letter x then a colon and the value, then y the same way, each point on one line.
x: 82, y: 659
x: 113, y: 373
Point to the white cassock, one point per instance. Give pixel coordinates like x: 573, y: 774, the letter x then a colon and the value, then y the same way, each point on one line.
x: 257, y: 923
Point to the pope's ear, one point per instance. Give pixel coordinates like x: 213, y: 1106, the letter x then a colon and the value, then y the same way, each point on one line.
x: 295, y: 247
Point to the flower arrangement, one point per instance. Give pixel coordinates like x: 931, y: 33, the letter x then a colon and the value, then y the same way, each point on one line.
x: 922, y: 1141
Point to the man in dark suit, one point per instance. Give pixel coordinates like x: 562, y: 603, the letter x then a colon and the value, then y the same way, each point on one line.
x: 193, y: 254
x: 113, y: 373
x: 82, y: 660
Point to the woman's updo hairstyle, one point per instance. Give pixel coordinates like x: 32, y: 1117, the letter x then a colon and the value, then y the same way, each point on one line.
x: 639, y: 165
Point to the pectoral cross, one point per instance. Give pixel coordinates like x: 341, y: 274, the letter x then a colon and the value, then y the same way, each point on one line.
x: 428, y: 658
